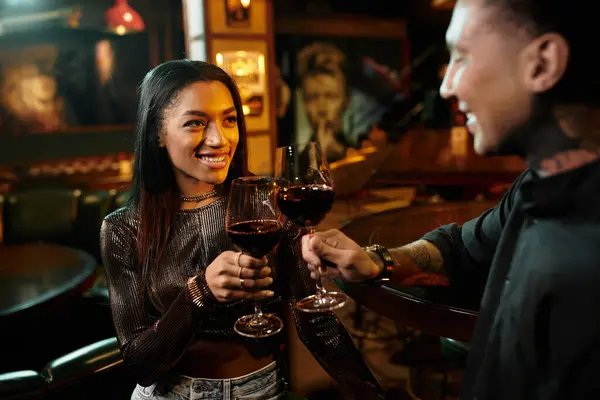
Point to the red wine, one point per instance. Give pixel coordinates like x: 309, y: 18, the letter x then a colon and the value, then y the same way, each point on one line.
x: 306, y: 205
x: 255, y: 238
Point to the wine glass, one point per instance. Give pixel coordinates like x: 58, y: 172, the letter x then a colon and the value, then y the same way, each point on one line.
x: 305, y: 195
x: 254, y: 226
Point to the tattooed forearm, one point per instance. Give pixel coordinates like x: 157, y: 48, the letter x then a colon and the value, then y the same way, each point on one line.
x: 418, y: 257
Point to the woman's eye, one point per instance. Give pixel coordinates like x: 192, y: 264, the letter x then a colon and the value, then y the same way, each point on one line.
x: 195, y: 123
x: 231, y: 120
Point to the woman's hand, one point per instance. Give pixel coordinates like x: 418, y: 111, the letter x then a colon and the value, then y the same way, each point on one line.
x: 234, y: 276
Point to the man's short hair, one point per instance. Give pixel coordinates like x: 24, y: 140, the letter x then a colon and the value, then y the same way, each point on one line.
x: 574, y: 20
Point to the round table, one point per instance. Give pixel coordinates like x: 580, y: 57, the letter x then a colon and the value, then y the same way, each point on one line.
x: 34, y: 274
x: 437, y: 310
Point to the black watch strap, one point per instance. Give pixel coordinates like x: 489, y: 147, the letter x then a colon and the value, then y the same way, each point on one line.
x: 387, y: 260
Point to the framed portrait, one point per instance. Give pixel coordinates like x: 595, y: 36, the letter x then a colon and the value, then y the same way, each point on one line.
x: 337, y: 79
x: 69, y: 79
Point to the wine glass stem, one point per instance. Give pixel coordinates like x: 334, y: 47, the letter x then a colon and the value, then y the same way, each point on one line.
x: 319, y: 283
x: 258, y: 314
x: 258, y: 317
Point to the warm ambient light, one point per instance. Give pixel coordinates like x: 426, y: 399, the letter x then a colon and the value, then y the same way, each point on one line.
x: 443, y: 4
x: 121, y: 18
x: 245, y: 3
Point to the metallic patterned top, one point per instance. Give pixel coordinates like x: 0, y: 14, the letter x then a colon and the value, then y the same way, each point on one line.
x: 156, y: 321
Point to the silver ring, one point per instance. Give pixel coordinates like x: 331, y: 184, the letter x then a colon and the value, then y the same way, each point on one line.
x: 237, y: 259
x: 242, y: 283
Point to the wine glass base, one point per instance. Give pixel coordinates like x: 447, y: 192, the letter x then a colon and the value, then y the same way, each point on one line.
x: 322, y: 302
x: 267, y: 325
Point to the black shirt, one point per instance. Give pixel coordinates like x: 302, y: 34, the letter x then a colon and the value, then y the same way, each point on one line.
x: 538, y: 254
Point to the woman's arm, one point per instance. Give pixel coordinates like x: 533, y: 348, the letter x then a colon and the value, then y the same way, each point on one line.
x: 150, y: 347
x: 322, y: 333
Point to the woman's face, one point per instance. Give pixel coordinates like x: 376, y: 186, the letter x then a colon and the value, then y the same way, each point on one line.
x: 201, y: 133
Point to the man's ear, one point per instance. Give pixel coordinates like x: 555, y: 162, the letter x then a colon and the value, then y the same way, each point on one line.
x: 546, y: 62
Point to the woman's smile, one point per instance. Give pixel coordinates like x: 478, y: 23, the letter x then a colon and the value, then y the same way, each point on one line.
x: 213, y: 160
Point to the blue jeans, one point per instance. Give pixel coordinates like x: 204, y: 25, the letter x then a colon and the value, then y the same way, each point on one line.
x: 264, y: 384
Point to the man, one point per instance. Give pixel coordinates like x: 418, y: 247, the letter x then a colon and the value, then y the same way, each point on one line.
x: 520, y: 71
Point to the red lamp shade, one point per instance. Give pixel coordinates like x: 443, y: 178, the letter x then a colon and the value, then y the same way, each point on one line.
x: 121, y: 18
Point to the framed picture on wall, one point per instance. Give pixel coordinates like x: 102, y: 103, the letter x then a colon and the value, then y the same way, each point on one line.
x: 246, y: 61
x: 248, y: 70
x: 336, y: 80
x: 70, y: 80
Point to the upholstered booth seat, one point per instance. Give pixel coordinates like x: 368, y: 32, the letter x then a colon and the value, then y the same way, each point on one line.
x: 455, y: 352
x: 62, y: 216
x: 88, y: 360
x: 46, y: 215
x: 20, y: 385
x: 93, y: 372
x: 92, y: 207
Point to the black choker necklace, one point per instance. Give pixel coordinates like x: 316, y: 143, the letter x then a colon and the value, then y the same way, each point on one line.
x: 197, y: 199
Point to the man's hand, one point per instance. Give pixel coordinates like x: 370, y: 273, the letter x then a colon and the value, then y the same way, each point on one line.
x: 332, y: 254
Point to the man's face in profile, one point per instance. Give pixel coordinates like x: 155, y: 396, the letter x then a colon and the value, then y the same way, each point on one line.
x: 325, y: 98
x: 486, y: 73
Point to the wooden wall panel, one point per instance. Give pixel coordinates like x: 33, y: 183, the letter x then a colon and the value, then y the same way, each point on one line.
x: 259, y: 157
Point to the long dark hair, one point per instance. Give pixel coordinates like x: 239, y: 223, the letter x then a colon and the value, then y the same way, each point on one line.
x: 154, y: 189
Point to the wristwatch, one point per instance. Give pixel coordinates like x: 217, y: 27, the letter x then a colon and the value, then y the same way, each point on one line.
x: 386, y: 259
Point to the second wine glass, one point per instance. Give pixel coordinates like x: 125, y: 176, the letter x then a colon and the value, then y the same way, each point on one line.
x: 253, y: 225
x: 305, y: 195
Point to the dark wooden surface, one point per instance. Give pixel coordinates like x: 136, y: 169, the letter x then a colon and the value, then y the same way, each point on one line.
x: 34, y: 274
x: 436, y: 310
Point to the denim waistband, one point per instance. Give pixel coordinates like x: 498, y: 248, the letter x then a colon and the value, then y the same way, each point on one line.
x: 198, y: 388
x: 240, y: 380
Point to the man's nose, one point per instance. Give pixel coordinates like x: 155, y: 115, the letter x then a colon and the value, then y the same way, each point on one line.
x: 446, y: 89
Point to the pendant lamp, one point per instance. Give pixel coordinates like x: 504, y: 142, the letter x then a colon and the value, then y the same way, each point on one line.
x: 122, y: 19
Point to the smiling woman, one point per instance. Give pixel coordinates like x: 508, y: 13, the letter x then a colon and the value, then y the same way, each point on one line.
x: 201, y: 136
x: 181, y: 111
x: 176, y: 286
